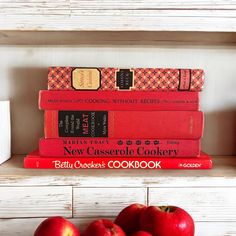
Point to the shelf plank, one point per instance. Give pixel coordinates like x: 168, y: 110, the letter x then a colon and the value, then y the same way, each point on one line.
x: 35, y: 201
x: 115, y: 38
x: 12, y: 227
x: 105, y: 202
x: 203, y: 204
x: 97, y: 15
x: 120, y: 4
x: 223, y: 174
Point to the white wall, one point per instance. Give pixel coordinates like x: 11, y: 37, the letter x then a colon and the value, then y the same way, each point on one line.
x: 23, y: 71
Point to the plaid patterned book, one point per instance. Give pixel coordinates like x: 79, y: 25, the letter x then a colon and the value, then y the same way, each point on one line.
x: 134, y: 79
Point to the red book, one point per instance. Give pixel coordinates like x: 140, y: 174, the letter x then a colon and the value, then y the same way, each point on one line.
x: 93, y: 147
x: 34, y: 160
x: 135, y: 79
x: 124, y: 124
x: 116, y: 100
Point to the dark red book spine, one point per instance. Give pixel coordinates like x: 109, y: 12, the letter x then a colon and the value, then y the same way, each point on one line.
x: 116, y: 100
x: 124, y: 124
x: 34, y: 160
x: 93, y: 147
x: 134, y: 79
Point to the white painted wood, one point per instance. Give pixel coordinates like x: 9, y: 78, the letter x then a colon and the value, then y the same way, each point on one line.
x: 119, y: 15
x: 120, y: 4
x: 21, y: 202
x: 13, y: 227
x: 105, y: 202
x: 222, y: 175
x: 126, y: 22
x: 204, y: 204
x: 215, y: 228
x: 132, y: 14
x: 154, y: 4
x: 26, y: 227
x: 28, y: 65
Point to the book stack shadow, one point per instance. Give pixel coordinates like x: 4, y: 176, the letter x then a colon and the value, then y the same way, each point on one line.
x: 111, y: 118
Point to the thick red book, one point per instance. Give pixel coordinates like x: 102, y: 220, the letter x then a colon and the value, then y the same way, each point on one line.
x: 34, y: 160
x: 124, y: 124
x: 136, y: 79
x: 93, y: 147
x: 116, y: 100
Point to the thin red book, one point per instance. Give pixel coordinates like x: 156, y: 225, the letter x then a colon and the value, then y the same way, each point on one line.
x: 124, y: 124
x: 116, y: 100
x: 135, y: 79
x: 96, y: 147
x: 34, y: 160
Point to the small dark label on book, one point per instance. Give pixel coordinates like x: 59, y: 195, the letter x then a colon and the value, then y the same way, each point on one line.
x: 83, y: 123
x: 124, y: 79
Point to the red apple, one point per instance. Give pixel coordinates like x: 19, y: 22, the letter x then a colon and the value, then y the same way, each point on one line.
x: 56, y: 226
x: 141, y: 233
x: 167, y: 221
x: 128, y: 218
x: 103, y: 227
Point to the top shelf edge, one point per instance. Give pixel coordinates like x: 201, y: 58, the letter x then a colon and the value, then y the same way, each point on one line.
x: 135, y: 37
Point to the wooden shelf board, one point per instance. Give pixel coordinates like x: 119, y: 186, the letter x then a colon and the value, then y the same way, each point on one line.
x: 223, y: 174
x: 147, y: 21
x: 104, y: 22
x: 120, y: 15
x: 115, y: 38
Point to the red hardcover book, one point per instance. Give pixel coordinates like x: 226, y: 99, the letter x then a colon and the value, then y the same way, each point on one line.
x: 93, y: 147
x: 116, y: 100
x: 34, y: 160
x: 124, y: 124
x: 146, y: 79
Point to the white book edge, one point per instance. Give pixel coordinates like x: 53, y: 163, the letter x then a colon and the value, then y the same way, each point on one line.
x: 5, y: 131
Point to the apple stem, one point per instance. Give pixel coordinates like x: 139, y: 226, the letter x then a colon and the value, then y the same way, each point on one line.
x: 165, y: 208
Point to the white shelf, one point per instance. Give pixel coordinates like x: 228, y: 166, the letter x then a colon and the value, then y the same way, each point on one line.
x: 29, y: 195
x: 223, y: 174
x: 108, y: 15
x: 197, y: 33
x: 108, y: 22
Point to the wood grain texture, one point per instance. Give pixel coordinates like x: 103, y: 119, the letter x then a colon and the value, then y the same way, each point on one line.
x: 222, y: 175
x: 104, y: 38
x: 204, y: 204
x: 152, y: 15
x: 121, y: 4
x: 22, y: 202
x: 12, y: 227
x: 105, y: 202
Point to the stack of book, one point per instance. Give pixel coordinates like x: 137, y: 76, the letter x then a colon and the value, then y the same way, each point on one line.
x: 110, y: 118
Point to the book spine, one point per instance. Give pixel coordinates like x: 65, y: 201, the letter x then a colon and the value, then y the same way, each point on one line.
x: 135, y: 79
x: 116, y: 163
x: 93, y: 147
x: 110, y: 100
x: 124, y: 124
